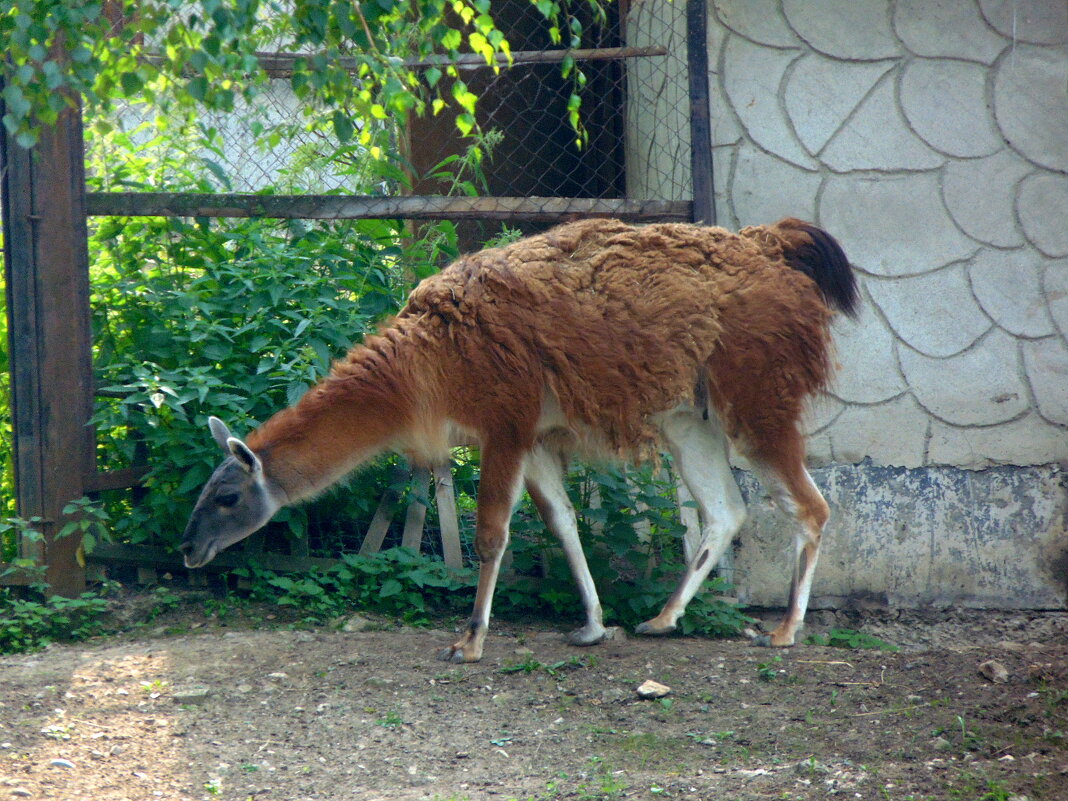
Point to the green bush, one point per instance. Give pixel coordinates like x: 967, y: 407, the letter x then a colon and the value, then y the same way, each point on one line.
x: 396, y: 582
x: 30, y: 624
x: 233, y: 319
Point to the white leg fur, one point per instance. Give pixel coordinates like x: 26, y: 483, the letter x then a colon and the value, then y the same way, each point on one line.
x: 699, y: 447
x: 544, y: 475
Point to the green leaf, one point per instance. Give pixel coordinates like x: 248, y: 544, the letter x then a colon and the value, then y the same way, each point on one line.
x: 26, y: 139
x: 342, y: 126
x: 131, y: 83
x: 197, y: 87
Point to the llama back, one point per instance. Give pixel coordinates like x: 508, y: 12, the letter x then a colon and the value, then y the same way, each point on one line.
x: 617, y: 321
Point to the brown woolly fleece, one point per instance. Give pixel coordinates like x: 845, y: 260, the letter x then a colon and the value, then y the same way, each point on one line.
x: 619, y: 322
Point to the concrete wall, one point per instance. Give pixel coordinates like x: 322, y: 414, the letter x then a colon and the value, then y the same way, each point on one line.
x: 931, y: 138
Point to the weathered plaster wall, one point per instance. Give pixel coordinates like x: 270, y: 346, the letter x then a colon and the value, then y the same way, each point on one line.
x: 931, y: 138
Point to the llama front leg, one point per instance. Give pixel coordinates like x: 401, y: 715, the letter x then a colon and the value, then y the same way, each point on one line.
x: 544, y: 475
x: 699, y: 448
x: 497, y: 493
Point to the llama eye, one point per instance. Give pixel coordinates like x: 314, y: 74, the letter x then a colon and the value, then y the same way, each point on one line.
x: 227, y: 500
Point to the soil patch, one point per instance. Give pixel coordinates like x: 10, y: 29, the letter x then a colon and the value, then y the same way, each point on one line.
x: 271, y: 713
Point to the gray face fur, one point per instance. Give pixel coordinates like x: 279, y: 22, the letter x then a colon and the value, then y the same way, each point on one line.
x: 234, y: 503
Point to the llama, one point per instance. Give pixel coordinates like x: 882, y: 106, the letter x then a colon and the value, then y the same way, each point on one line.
x: 596, y: 337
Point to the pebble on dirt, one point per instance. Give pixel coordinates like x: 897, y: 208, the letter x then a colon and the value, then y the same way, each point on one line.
x: 652, y: 689
x: 356, y: 623
x: 195, y: 695
x: 62, y: 763
x: 994, y: 671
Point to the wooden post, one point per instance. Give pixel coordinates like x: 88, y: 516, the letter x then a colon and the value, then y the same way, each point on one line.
x: 416, y: 516
x: 704, y: 199
x: 447, y: 519
x: 376, y: 532
x: 47, y: 274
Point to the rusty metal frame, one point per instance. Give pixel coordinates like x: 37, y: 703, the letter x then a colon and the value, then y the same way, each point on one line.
x: 46, y: 268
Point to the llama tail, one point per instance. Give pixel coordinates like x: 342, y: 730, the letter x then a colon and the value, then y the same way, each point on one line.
x: 818, y: 255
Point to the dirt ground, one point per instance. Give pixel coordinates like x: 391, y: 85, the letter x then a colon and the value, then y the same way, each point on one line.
x: 195, y: 706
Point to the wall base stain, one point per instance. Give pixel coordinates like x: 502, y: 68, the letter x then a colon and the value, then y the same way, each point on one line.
x: 912, y: 538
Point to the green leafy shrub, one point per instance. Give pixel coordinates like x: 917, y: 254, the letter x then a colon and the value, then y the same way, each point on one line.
x: 396, y: 582
x: 848, y: 638
x: 233, y: 319
x: 31, y: 624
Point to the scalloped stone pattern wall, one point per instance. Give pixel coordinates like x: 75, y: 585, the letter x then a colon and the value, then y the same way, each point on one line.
x: 931, y: 138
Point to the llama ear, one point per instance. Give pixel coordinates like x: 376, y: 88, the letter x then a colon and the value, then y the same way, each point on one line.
x: 244, y: 455
x: 219, y: 432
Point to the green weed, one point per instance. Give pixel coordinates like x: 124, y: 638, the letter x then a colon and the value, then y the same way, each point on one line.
x: 769, y: 671
x: 848, y: 638
x: 29, y: 624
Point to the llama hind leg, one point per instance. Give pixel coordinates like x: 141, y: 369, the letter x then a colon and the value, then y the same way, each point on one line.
x: 792, y: 488
x: 544, y: 475
x: 497, y: 493
x: 700, y: 451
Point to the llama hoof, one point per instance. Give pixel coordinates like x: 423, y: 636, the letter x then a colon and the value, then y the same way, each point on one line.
x: 767, y: 640
x: 587, y: 635
x: 447, y: 654
x: 653, y: 628
x: 457, y: 656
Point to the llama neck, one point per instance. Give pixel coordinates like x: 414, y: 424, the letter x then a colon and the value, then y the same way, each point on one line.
x: 359, y: 410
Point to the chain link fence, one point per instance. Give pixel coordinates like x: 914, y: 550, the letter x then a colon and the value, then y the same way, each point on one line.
x: 634, y: 109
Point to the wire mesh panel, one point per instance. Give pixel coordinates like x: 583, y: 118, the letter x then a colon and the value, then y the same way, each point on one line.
x: 631, y: 139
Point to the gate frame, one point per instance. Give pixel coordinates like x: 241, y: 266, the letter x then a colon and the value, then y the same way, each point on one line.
x: 46, y: 269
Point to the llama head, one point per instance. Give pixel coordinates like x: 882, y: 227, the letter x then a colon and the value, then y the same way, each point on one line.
x: 236, y: 501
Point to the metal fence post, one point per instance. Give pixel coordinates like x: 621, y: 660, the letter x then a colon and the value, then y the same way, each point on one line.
x: 704, y: 200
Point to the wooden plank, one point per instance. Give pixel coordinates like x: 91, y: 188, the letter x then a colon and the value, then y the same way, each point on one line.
x: 17, y: 577
x: 20, y: 282
x: 115, y: 479
x: 376, y: 532
x: 354, y: 207
x: 416, y: 515
x: 704, y: 199
x: 280, y: 65
x: 167, y: 559
x: 448, y: 520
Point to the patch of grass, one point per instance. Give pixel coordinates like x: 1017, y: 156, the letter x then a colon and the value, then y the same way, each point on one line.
x: 769, y: 671
x: 853, y: 640
x: 648, y: 750
x: 532, y: 665
x: 972, y: 787
x: 603, y: 783
x: 391, y: 720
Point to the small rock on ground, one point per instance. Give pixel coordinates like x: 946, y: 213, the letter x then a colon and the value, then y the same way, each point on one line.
x: 652, y: 689
x: 994, y: 671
